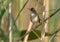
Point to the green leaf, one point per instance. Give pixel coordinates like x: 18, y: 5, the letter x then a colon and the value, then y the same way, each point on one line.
x: 32, y: 36
x: 2, y: 13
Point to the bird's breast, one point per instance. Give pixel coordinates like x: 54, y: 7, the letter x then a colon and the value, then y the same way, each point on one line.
x: 35, y: 19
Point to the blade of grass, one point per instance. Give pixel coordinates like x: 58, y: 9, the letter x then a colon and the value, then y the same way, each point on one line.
x: 21, y: 10
x: 15, y: 28
x: 54, y: 34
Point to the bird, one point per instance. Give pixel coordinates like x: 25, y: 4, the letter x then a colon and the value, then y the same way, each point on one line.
x: 34, y: 16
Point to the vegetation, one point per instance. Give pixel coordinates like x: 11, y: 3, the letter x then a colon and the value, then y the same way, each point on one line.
x: 4, y: 35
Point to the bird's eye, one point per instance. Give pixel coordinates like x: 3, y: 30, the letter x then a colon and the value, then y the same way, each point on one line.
x: 32, y: 8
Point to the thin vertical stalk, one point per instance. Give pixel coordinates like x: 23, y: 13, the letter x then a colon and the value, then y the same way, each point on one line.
x: 43, y: 29
x: 29, y: 28
x: 20, y: 15
x: 10, y: 23
x: 46, y: 2
x: 45, y: 15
